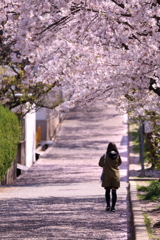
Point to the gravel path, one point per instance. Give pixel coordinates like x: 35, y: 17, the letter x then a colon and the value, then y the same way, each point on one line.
x: 60, y: 197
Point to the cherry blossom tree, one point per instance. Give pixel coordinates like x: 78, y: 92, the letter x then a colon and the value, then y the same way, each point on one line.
x: 88, y: 49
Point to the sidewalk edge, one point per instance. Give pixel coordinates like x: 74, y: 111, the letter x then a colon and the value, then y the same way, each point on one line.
x: 139, y: 227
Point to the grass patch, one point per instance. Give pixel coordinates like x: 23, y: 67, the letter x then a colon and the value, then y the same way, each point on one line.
x: 141, y: 188
x: 148, y: 224
x: 152, y: 191
x: 147, y: 221
x: 135, y: 139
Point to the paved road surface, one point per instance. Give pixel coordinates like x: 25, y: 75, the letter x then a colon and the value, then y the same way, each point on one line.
x: 60, y: 197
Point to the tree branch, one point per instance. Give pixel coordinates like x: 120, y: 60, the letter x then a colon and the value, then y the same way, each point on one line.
x: 119, y: 4
x: 151, y: 88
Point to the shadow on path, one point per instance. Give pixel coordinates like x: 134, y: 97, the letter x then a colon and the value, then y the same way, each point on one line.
x: 59, y: 218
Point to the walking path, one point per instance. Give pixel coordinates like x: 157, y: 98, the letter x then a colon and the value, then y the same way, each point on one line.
x: 61, y: 197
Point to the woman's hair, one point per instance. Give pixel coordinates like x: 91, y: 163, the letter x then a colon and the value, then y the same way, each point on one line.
x: 112, y: 147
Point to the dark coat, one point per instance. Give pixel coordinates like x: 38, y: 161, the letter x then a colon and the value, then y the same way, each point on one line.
x: 111, y: 169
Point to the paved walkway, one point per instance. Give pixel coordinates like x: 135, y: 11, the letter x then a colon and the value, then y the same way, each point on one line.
x: 60, y: 197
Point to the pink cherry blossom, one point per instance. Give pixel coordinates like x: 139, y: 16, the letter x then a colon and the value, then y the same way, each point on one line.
x: 91, y: 49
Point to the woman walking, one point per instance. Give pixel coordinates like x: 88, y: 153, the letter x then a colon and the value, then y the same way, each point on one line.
x: 111, y: 177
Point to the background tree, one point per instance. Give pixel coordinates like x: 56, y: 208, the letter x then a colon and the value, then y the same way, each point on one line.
x: 88, y: 49
x: 13, y: 92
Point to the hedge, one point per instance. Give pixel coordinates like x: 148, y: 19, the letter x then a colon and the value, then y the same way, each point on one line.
x: 9, y: 139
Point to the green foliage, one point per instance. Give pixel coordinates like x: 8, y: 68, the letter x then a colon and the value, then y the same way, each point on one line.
x: 9, y: 138
x: 152, y: 139
x: 152, y: 191
x: 142, y: 188
x: 135, y: 137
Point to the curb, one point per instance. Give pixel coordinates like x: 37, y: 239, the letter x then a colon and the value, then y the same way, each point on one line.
x: 139, y: 227
x: 142, y: 179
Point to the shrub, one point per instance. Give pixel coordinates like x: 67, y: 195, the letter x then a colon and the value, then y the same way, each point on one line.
x: 152, y: 191
x: 9, y: 138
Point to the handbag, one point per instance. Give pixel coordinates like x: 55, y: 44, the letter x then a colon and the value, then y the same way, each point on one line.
x: 102, y: 175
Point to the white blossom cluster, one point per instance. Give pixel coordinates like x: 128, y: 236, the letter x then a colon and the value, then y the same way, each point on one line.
x: 92, y: 49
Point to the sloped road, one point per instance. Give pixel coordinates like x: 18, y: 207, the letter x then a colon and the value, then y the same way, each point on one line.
x: 60, y: 197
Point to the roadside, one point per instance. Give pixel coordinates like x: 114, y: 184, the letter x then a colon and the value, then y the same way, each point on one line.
x: 145, y: 212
